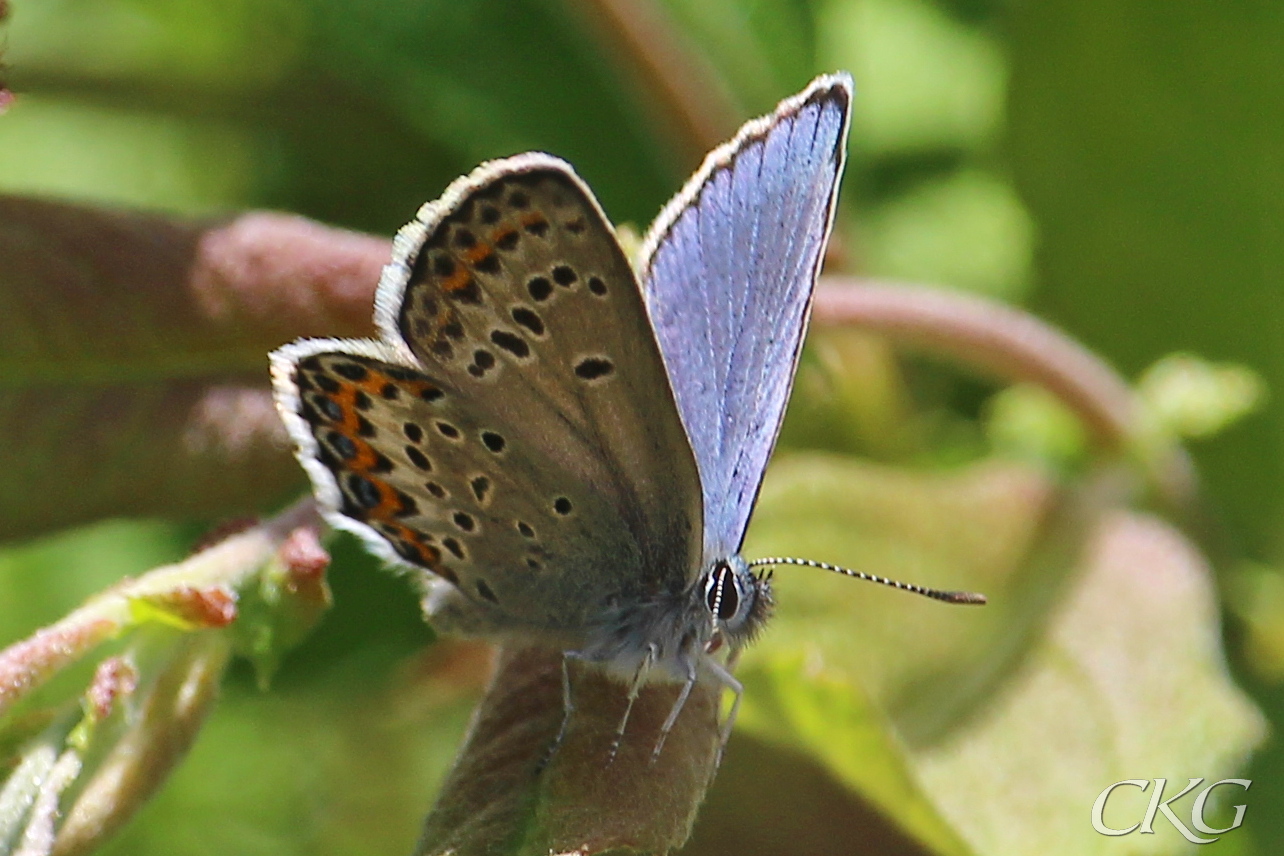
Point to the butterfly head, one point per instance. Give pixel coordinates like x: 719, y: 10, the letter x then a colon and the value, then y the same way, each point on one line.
x: 737, y: 599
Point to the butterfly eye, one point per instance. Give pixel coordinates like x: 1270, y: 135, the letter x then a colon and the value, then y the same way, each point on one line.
x: 721, y: 595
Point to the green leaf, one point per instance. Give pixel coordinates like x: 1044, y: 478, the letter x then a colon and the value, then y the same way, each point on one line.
x: 801, y: 704
x: 1101, y: 630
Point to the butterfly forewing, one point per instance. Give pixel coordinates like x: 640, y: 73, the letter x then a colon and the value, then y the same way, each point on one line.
x: 515, y: 432
x: 728, y: 269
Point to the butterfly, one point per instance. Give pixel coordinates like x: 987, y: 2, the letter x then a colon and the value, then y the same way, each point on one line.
x: 567, y: 446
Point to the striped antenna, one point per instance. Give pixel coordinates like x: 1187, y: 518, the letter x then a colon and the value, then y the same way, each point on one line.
x: 935, y: 594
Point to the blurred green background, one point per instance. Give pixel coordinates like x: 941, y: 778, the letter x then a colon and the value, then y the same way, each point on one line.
x: 1116, y: 168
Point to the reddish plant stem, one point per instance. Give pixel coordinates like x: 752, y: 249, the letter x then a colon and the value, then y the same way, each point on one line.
x: 989, y: 335
x: 1017, y: 346
x: 105, y: 295
x: 26, y: 665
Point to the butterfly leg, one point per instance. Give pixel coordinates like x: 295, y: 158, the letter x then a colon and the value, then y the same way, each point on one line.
x: 674, y: 711
x: 728, y: 680
x: 635, y: 687
x: 568, y: 707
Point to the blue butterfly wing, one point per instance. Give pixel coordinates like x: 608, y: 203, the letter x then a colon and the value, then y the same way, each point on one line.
x: 728, y: 270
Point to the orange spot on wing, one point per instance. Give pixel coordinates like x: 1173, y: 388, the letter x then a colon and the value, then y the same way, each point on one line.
x: 457, y: 280
x: 430, y: 556
x: 389, y: 503
x: 373, y: 383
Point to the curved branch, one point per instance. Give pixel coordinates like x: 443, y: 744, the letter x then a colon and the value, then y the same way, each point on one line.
x: 1017, y: 346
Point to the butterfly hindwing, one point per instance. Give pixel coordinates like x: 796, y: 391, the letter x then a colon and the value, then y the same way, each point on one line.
x: 728, y: 269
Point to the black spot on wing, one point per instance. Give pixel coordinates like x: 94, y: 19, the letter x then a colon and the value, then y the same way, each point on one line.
x: 510, y: 342
x: 529, y: 319
x: 540, y: 288
x: 468, y: 293
x: 564, y: 276
x: 407, y: 505
x: 328, y: 407
x: 363, y: 491
x: 418, y: 458
x: 593, y: 368
x: 342, y: 445
x: 485, y: 591
x: 327, y: 383
x: 382, y: 465
x: 351, y: 371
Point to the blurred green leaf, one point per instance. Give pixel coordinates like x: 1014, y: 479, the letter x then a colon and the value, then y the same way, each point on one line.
x: 1125, y: 668
x: 1255, y: 595
x: 130, y: 157
x: 1194, y: 398
x: 838, y: 651
x: 924, y: 79
x: 202, y: 43
x: 46, y: 578
x: 763, y: 47
x: 797, y: 702
x: 967, y: 230
x: 467, y: 75
x: 1128, y: 678
x: 346, y: 763
x: 1028, y: 422
x: 1146, y: 142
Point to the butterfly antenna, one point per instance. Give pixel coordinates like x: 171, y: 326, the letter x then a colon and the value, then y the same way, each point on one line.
x: 935, y: 594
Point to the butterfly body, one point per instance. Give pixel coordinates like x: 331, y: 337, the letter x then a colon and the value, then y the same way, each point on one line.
x: 565, y: 449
